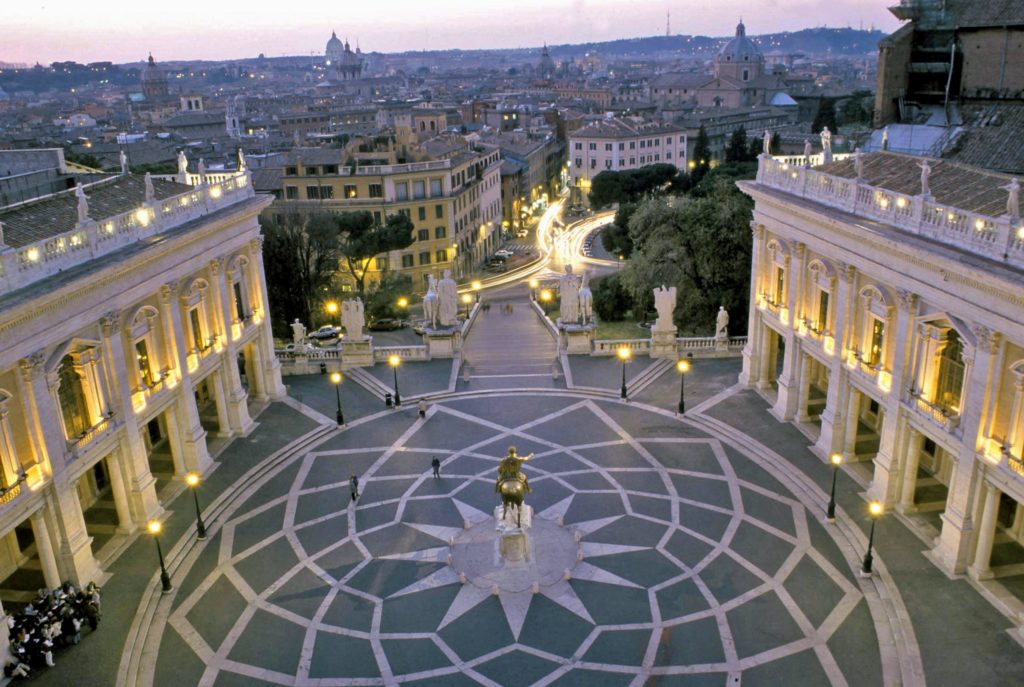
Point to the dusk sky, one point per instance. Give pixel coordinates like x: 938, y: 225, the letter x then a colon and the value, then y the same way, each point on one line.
x: 124, y: 31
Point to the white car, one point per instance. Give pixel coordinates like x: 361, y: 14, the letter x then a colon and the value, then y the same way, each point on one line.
x: 326, y: 332
x: 523, y: 233
x: 504, y: 252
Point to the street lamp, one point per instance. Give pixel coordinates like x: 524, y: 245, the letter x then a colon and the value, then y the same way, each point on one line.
x: 394, y: 361
x: 476, y: 286
x: 331, y: 307
x: 683, y: 366
x: 466, y: 300
x: 192, y: 480
x: 154, y: 528
x: 624, y: 355
x: 336, y: 381
x: 836, y: 459
x: 545, y: 296
x: 533, y: 288
x: 874, y: 510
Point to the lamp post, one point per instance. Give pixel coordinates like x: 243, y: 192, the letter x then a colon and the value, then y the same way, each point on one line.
x: 336, y: 381
x: 394, y: 361
x: 874, y: 510
x: 683, y: 366
x: 624, y: 355
x: 476, y: 286
x: 466, y: 300
x: 403, y: 305
x: 533, y: 288
x: 154, y: 528
x: 836, y: 459
x: 332, y: 308
x: 192, y: 480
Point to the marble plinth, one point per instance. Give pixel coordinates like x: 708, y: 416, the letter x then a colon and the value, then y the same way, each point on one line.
x: 576, y: 338
x: 357, y: 352
x: 442, y: 343
x: 663, y: 343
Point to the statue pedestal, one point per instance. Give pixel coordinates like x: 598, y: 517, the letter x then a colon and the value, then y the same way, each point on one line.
x: 721, y: 343
x: 508, y: 526
x: 663, y: 343
x: 576, y: 338
x: 357, y: 353
x: 443, y: 343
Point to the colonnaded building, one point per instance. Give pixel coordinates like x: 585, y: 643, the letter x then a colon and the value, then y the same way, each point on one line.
x: 887, y: 321
x: 133, y: 342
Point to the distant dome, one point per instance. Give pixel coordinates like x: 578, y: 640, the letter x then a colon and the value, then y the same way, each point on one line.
x: 546, y: 67
x: 740, y: 48
x: 153, y: 80
x: 151, y: 72
x: 335, y: 48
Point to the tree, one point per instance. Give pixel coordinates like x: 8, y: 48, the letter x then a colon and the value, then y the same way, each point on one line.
x: 826, y: 116
x: 701, y: 155
x: 360, y: 237
x: 630, y: 186
x: 737, y: 150
x: 615, y: 237
x: 300, y: 256
x: 382, y: 298
x: 611, y: 300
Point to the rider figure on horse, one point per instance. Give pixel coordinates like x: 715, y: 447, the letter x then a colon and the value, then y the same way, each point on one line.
x: 509, y: 469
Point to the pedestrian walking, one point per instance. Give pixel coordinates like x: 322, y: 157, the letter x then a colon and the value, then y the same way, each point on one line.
x: 423, y: 408
x: 353, y: 484
x: 436, y: 465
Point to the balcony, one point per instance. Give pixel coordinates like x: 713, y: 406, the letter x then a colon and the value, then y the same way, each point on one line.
x: 142, y: 394
x: 80, y: 445
x: 943, y: 417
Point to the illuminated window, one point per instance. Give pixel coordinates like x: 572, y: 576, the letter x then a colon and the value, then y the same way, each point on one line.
x: 197, y: 329
x: 877, y: 341
x: 239, y: 302
x: 73, y: 407
x: 145, y: 369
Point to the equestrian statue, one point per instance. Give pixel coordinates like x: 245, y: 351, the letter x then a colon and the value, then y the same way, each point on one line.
x: 512, y: 483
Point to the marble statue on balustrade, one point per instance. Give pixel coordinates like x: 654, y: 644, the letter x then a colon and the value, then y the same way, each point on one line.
x: 150, y: 191
x: 83, y: 204
x: 885, y: 138
x: 201, y: 168
x: 182, y: 163
x: 241, y: 160
x: 569, y: 297
x: 826, y: 144
x: 766, y: 143
x: 430, y: 304
x: 807, y: 153
x: 858, y: 164
x: 926, y: 172
x: 665, y: 304
x: 586, y: 298
x: 298, y: 333
x: 353, y: 319
x: 123, y: 159
x: 1012, y: 199
x: 722, y: 323
x: 447, y: 301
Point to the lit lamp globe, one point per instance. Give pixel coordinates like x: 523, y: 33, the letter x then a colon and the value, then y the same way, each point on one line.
x: 403, y: 302
x: 545, y: 295
x: 336, y: 378
x: 192, y: 479
x: 331, y: 307
x: 534, y: 283
x: 154, y: 527
x: 683, y: 366
x: 625, y: 354
x: 393, y: 361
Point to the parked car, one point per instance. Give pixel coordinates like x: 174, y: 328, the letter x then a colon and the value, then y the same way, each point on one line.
x: 503, y: 253
x: 385, y: 324
x: 326, y: 332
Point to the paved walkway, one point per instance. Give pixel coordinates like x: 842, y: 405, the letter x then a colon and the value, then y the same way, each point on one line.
x: 507, y: 341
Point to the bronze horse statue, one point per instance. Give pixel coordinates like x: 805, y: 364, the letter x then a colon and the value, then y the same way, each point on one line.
x: 512, y: 483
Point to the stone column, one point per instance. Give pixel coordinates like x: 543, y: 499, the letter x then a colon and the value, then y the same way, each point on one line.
x: 269, y: 367
x: 829, y: 440
x: 44, y: 547
x: 235, y: 397
x: 791, y: 380
x: 980, y: 569
x: 850, y: 431
x: 955, y: 539
x: 803, y: 388
x: 216, y: 384
x: 74, y: 543
x: 883, y: 484
x: 125, y: 524
x: 140, y: 483
x: 914, y: 443
x: 186, y: 433
x: 752, y: 362
x: 43, y: 419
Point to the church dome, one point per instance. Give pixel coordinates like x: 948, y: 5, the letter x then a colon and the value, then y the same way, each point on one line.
x: 739, y: 48
x: 151, y: 72
x: 349, y: 58
x: 334, y: 49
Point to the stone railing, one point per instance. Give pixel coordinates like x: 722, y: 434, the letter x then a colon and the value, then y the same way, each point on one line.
x: 943, y: 418
x: 997, y: 238
x: 382, y: 353
x: 696, y: 345
x: 78, y: 446
x: 612, y: 346
x: 95, y: 238
x: 816, y: 159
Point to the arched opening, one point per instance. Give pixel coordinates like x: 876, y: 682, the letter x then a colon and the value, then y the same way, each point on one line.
x: 73, y: 407
x: 950, y: 383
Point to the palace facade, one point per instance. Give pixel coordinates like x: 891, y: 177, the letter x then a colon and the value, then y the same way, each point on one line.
x: 133, y: 342
x: 887, y: 321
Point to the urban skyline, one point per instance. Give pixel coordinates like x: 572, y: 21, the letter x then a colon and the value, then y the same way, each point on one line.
x: 65, y: 30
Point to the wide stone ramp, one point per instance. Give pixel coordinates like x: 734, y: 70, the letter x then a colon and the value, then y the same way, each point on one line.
x: 509, y: 341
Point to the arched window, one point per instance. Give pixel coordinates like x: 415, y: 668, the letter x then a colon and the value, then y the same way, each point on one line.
x: 73, y: 407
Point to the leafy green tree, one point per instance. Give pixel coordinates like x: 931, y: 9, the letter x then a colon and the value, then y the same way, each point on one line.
x: 360, y: 237
x: 382, y: 297
x: 615, y: 237
x: 701, y: 155
x: 737, y: 150
x: 300, y: 257
x: 826, y: 116
x: 629, y: 186
x: 611, y: 300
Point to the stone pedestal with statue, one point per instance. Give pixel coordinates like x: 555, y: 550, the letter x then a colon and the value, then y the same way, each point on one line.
x: 663, y: 333
x: 442, y: 342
